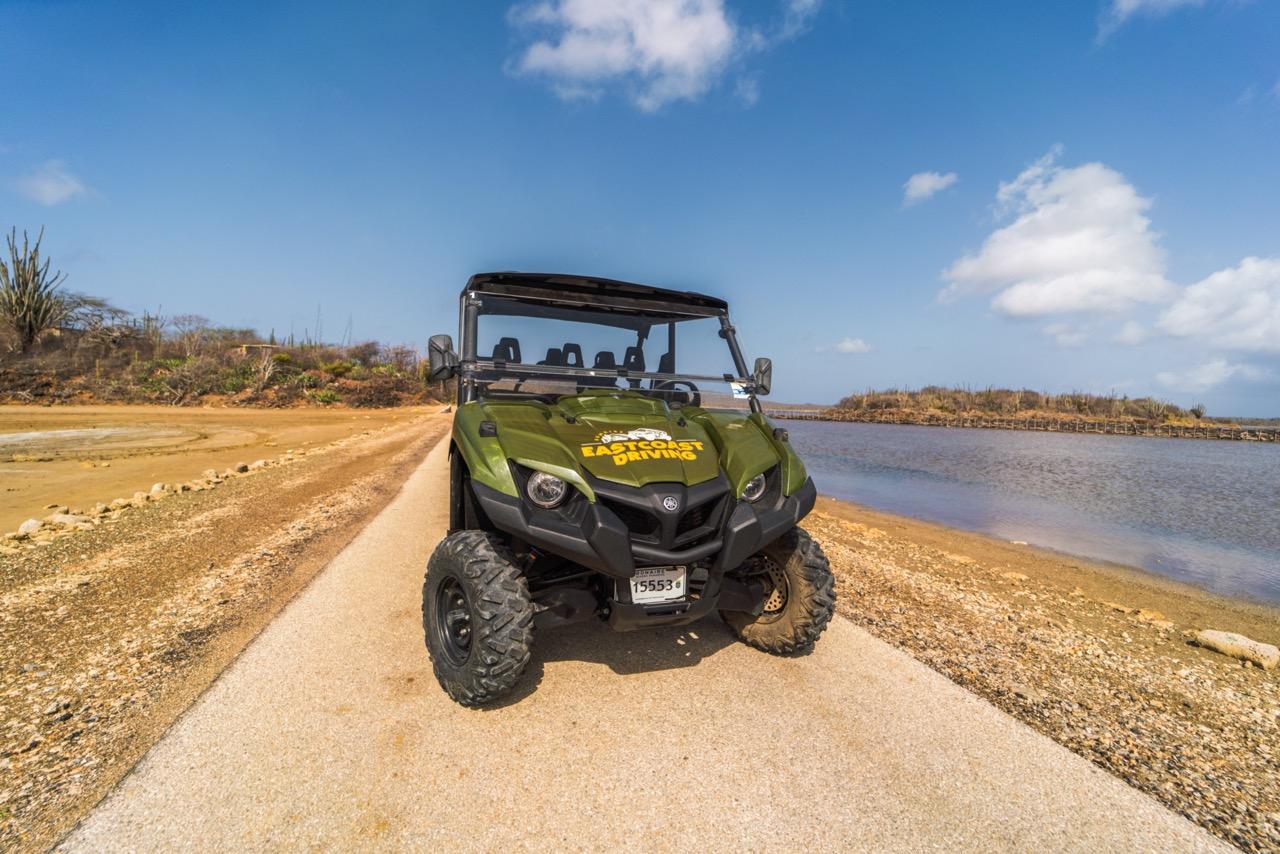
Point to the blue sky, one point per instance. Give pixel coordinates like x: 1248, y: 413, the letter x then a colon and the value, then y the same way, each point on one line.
x: 1071, y: 195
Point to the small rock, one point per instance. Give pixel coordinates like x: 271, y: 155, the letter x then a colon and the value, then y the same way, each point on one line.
x: 241, y: 468
x: 210, y: 474
x: 121, y: 502
x: 1123, y: 609
x: 1155, y: 618
x: 257, y: 464
x: 159, y: 488
x: 68, y: 519
x: 1026, y: 692
x: 29, y: 527
x: 1264, y: 655
x: 1013, y: 576
x: 1019, y: 542
x: 100, y: 509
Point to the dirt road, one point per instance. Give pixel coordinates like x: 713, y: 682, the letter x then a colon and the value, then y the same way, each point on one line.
x: 330, y: 732
x: 76, y: 455
x: 108, y: 635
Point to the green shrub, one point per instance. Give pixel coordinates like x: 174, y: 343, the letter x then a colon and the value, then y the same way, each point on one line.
x: 325, y: 396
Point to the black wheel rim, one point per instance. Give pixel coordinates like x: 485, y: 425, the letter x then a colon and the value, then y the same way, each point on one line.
x: 453, y: 621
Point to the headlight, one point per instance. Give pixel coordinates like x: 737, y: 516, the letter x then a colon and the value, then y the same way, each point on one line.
x: 546, y: 490
x: 754, y: 488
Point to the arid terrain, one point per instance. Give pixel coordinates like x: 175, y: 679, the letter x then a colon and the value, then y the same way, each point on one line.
x: 1098, y: 657
x: 79, y: 455
x: 110, y: 629
x: 107, y: 634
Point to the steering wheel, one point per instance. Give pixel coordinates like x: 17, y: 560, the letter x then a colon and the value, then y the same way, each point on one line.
x: 692, y: 397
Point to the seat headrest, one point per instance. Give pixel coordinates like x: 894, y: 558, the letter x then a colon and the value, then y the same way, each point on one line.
x: 667, y: 364
x: 633, y: 359
x: 506, y: 350
x: 571, y: 350
x: 554, y: 357
x: 605, y: 360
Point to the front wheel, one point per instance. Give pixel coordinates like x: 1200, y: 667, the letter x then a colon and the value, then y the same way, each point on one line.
x: 477, y: 617
x: 800, y: 595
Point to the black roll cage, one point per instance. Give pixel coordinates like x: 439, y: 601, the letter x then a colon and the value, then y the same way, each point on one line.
x: 624, y: 304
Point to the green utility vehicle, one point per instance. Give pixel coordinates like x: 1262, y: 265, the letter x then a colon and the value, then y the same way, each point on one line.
x: 610, y: 489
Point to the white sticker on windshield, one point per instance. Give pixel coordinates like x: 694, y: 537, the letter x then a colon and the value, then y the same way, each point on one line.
x: 739, y: 391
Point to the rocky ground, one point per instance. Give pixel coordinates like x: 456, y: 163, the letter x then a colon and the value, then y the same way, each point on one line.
x: 1101, y: 659
x: 114, y: 618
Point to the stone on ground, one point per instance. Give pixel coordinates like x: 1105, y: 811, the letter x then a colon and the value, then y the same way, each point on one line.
x: 1264, y: 655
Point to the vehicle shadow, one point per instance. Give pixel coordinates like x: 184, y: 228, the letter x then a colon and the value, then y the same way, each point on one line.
x: 625, y: 653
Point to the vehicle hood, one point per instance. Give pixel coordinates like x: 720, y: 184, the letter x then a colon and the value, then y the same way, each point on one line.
x: 621, y: 438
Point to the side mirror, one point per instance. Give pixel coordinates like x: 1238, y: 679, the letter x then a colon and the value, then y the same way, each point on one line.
x: 762, y: 375
x: 442, y: 360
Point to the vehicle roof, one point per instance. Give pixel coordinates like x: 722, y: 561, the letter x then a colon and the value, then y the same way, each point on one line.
x: 588, y: 290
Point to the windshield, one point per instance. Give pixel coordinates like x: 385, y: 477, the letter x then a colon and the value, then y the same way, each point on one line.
x: 575, y: 342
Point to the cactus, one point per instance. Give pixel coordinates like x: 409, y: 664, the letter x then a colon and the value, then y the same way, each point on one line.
x: 30, y: 302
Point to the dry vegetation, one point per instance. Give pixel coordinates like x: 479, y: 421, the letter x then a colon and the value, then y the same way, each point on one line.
x: 61, y: 347
x: 1019, y: 403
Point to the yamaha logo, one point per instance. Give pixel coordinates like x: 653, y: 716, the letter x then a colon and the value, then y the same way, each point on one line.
x: 671, y: 503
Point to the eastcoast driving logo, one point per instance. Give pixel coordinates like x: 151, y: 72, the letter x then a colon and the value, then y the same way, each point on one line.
x: 642, y: 443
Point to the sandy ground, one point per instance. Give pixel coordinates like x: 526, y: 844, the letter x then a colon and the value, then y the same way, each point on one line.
x: 1093, y: 655
x: 329, y: 732
x: 107, y: 635
x: 78, y: 455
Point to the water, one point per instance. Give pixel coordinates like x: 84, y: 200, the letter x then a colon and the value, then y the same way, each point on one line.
x: 1204, y: 512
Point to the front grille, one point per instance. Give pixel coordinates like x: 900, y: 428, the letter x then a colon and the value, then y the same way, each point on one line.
x: 695, y: 518
x: 638, y: 522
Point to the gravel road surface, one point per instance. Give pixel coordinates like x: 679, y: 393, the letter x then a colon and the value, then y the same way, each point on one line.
x: 330, y: 732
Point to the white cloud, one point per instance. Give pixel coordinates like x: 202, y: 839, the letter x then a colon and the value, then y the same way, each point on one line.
x: 1066, y: 335
x: 1206, y: 376
x: 658, y: 51
x: 1131, y: 334
x: 922, y: 185
x: 51, y: 184
x: 847, y: 345
x: 1234, y: 309
x: 1119, y: 11
x: 798, y: 14
x: 1080, y: 243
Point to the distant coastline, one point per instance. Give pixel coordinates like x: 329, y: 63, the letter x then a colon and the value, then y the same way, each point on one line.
x: 1041, y: 422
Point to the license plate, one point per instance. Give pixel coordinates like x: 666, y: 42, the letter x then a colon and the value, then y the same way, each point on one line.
x: 658, y: 584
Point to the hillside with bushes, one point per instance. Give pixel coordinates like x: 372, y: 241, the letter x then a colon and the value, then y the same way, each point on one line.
x: 937, y: 401
x: 58, y: 346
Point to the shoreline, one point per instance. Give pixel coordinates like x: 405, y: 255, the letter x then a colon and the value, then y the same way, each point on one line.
x: 1095, y: 426
x: 1096, y: 656
x: 1102, y: 575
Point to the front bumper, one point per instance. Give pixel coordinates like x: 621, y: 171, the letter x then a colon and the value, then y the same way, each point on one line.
x: 593, y: 536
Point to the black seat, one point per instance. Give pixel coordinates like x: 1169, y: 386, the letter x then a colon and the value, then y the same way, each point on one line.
x: 555, y: 358
x: 666, y: 365
x: 506, y: 350
x: 605, y: 361
x: 633, y: 360
x: 571, y: 350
